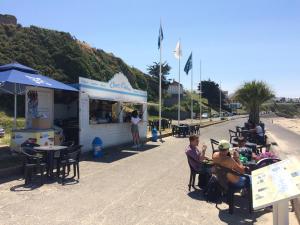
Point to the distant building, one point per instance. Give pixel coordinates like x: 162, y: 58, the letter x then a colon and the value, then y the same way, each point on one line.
x: 235, y: 105
x: 172, y: 91
x: 232, y: 103
x: 173, y: 88
x: 287, y: 100
x: 225, y: 93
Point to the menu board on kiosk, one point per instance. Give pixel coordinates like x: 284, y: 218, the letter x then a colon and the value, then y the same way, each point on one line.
x: 276, y: 182
x: 39, y: 105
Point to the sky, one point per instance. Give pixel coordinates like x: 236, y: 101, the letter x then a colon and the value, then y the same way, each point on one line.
x: 236, y: 40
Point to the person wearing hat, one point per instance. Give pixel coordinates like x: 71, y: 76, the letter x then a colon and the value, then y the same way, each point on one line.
x: 223, y: 158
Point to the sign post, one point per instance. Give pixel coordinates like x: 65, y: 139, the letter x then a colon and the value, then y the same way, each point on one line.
x: 275, y: 185
x: 281, y: 212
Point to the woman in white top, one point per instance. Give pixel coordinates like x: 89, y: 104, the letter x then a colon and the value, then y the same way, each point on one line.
x: 135, y: 129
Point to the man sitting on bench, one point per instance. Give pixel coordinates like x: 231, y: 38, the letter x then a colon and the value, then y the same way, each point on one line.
x: 196, y: 157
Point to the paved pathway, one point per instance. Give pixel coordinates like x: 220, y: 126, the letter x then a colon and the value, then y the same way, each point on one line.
x: 128, y: 187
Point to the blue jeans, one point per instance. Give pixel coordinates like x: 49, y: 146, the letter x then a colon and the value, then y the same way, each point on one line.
x: 260, y: 139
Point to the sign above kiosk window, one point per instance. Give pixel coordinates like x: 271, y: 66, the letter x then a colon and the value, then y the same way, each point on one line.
x: 117, y: 89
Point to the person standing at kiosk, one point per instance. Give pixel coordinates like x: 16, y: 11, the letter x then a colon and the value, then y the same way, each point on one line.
x: 135, y: 119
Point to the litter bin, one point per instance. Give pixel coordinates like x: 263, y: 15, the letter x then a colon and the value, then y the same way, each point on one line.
x: 97, y: 147
x: 154, y: 135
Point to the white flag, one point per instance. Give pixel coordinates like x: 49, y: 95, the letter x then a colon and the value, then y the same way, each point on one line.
x: 178, y: 52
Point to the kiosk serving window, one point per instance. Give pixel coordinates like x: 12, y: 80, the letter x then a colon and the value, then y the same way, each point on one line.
x: 102, y: 111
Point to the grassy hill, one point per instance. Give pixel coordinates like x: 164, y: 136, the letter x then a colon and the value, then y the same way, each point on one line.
x: 61, y: 56
x: 288, y: 110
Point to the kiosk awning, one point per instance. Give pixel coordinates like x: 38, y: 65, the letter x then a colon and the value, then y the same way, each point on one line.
x: 117, y: 89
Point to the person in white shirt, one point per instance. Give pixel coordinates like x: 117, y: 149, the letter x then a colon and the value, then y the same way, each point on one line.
x: 135, y: 129
x: 259, y: 130
x: 259, y: 133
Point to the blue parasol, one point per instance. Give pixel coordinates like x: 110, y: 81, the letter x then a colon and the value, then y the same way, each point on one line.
x: 14, y: 77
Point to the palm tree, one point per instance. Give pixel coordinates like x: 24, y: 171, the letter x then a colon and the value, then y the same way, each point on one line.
x: 252, y: 95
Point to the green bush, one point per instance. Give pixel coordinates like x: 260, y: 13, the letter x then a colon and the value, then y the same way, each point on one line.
x: 7, y: 122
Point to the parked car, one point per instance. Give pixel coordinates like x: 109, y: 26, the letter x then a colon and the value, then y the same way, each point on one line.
x: 204, y: 115
x: 2, y: 132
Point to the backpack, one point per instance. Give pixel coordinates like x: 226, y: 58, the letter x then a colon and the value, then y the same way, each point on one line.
x: 213, y: 192
x: 203, y: 179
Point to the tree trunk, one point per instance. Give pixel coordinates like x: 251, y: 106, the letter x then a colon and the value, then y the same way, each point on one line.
x: 254, y: 115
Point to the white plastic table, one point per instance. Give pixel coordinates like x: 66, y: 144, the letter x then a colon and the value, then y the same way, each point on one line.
x: 50, y: 151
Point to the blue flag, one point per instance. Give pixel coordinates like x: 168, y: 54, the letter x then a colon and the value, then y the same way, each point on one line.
x: 160, y: 36
x: 189, y: 64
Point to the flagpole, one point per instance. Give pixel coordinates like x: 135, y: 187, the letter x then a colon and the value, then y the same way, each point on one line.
x: 220, y: 100
x: 200, y: 91
x: 15, y: 106
x: 179, y: 89
x: 192, y: 93
x: 159, y: 122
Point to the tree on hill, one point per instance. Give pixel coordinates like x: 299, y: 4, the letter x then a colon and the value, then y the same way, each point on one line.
x: 211, y: 91
x: 252, y: 95
x: 153, y: 70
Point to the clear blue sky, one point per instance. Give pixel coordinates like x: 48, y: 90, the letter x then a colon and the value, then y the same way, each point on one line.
x: 237, y: 40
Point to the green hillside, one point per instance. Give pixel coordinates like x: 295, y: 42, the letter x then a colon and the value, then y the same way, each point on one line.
x: 288, y: 110
x: 62, y: 57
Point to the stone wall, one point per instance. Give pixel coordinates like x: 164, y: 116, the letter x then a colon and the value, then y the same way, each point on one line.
x: 8, y: 19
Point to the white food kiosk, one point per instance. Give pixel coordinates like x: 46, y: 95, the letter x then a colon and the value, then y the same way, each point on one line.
x: 101, y: 111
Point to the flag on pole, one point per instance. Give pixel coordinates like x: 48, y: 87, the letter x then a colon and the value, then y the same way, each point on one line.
x: 160, y: 36
x: 178, y: 52
x: 189, y: 64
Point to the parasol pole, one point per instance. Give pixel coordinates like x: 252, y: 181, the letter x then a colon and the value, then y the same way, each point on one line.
x: 15, y: 107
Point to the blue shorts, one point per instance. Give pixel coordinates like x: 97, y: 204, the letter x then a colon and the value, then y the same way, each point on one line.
x: 242, y: 182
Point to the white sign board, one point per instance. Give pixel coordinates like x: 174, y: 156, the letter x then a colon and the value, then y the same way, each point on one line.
x: 276, y: 182
x: 41, y: 105
x: 117, y: 89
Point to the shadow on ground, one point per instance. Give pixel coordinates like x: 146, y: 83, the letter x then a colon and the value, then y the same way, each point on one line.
x: 36, y: 183
x: 118, y: 153
x: 240, y: 216
x: 24, y: 188
x: 10, y: 178
x: 110, y: 155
